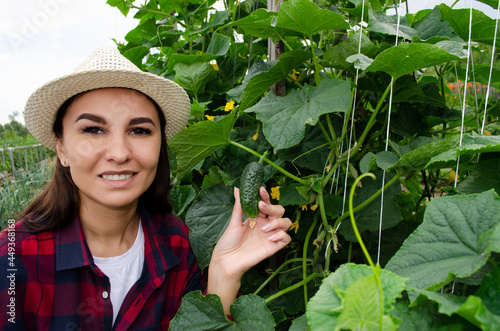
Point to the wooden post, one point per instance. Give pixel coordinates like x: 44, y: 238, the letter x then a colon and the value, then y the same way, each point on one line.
x: 275, y: 50
x: 13, y: 167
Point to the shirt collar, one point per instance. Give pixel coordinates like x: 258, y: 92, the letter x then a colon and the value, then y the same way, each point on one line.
x: 72, y: 250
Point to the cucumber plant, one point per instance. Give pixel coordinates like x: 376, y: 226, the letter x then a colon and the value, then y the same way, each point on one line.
x: 339, y: 74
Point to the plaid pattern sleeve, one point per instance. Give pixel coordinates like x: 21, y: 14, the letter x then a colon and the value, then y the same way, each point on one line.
x: 48, y: 280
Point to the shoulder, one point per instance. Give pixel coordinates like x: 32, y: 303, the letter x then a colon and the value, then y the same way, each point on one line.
x: 18, y: 233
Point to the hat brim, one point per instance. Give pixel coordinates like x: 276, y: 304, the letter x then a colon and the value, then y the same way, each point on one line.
x: 42, y: 106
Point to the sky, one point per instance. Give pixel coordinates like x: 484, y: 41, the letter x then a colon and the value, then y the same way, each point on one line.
x: 41, y: 40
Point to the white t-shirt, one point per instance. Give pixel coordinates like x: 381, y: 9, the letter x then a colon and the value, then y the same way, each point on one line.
x: 123, y: 270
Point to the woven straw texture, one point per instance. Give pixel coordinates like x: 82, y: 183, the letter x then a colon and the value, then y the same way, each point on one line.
x: 105, y: 67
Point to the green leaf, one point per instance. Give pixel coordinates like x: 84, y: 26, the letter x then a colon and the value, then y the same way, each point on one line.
x: 219, y: 45
x: 361, y: 307
x: 306, y: 17
x: 336, y: 56
x: 290, y: 196
x: 257, y: 67
x: 122, y: 5
x: 258, y: 23
x: 198, y: 141
x: 432, y: 25
x: 470, y: 145
x: 194, y: 77
x: 406, y: 89
x: 406, y: 58
x: 484, y: 177
x: 368, y: 218
x: 261, y: 82
x: 385, y: 160
x: 417, y: 159
x: 299, y: 324
x: 207, y: 219
x: 359, y: 61
x: 198, y: 312
x: 368, y: 162
x: 492, y: 3
x: 212, y: 178
x: 381, y: 23
x: 450, y: 242
x: 284, y: 118
x: 136, y: 54
x: 182, y: 196
x: 219, y: 18
x: 325, y: 308
x: 483, y: 26
x: 482, y: 75
x: 144, y: 31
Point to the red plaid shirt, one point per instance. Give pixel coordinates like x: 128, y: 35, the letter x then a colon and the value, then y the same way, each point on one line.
x: 48, y: 280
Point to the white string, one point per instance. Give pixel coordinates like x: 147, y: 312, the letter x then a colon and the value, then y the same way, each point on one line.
x: 465, y: 92
x: 387, y: 144
x: 491, y: 69
x: 458, y: 85
x: 353, y: 110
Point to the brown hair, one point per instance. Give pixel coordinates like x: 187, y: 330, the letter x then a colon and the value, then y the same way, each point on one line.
x: 59, y: 203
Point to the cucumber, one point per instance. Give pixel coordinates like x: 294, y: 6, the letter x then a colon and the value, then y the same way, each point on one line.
x: 251, y: 180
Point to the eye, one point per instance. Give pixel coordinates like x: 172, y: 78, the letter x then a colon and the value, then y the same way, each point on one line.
x: 92, y: 130
x: 141, y: 131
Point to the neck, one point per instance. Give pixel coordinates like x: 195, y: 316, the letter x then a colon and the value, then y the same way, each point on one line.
x: 109, y: 232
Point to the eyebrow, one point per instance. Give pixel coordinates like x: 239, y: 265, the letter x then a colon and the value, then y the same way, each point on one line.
x: 101, y: 120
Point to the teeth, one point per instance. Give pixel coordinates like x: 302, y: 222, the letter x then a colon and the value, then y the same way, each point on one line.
x: 117, y: 177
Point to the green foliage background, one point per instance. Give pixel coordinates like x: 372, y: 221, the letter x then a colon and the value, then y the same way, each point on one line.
x: 438, y: 262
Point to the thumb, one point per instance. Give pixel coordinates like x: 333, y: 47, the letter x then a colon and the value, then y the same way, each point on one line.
x: 237, y: 215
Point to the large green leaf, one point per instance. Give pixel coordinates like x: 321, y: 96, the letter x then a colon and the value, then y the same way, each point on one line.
x: 257, y: 67
x: 379, y: 22
x: 306, y: 17
x: 454, y: 240
x: 258, y: 23
x: 470, y: 145
x: 482, y: 75
x: 261, y: 82
x: 418, y: 158
x: 368, y: 218
x: 351, y: 288
x: 482, y: 308
x: 218, y: 19
x: 336, y: 56
x: 207, y: 219
x: 198, y: 141
x: 406, y: 58
x: 194, y: 77
x: 198, y: 313
x: 432, y: 25
x: 483, y: 26
x: 284, y: 118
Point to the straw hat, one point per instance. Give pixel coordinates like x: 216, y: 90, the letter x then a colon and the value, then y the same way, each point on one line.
x: 105, y: 67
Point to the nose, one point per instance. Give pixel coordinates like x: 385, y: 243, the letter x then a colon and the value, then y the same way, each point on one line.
x: 118, y: 149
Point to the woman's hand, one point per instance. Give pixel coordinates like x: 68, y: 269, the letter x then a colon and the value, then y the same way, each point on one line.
x: 242, y: 246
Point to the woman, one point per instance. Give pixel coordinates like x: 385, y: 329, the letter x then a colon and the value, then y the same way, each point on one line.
x: 98, y: 249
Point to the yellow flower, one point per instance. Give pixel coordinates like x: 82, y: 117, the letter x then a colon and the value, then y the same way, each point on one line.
x: 215, y: 66
x: 314, y: 207
x: 275, y: 192
x: 295, y: 226
x: 210, y: 118
x: 487, y: 133
x: 255, y: 136
x: 229, y: 106
x: 304, y: 207
x: 452, y: 175
x: 294, y: 77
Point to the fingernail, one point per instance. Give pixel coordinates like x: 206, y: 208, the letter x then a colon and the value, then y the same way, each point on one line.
x: 273, y: 237
x: 266, y: 227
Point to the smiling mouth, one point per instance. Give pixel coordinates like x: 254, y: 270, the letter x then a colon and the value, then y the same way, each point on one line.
x: 117, y: 177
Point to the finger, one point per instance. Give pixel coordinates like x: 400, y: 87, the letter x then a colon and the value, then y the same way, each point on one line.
x: 277, y: 224
x: 280, y: 236
x: 264, y: 195
x: 271, y: 210
x: 237, y: 214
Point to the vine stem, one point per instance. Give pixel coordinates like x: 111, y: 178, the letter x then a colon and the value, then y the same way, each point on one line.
x: 376, y: 270
x: 294, y: 286
x: 304, y: 256
x: 277, y: 167
x: 367, y: 201
x: 275, y: 273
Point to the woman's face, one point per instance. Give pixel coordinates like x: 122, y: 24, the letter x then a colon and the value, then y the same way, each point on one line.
x: 111, y: 143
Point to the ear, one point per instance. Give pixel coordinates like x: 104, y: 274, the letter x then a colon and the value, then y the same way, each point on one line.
x: 60, y: 152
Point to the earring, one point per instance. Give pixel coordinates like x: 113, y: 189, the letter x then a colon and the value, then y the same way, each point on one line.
x: 63, y: 163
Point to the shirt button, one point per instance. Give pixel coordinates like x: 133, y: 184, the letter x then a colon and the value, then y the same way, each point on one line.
x: 105, y: 294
